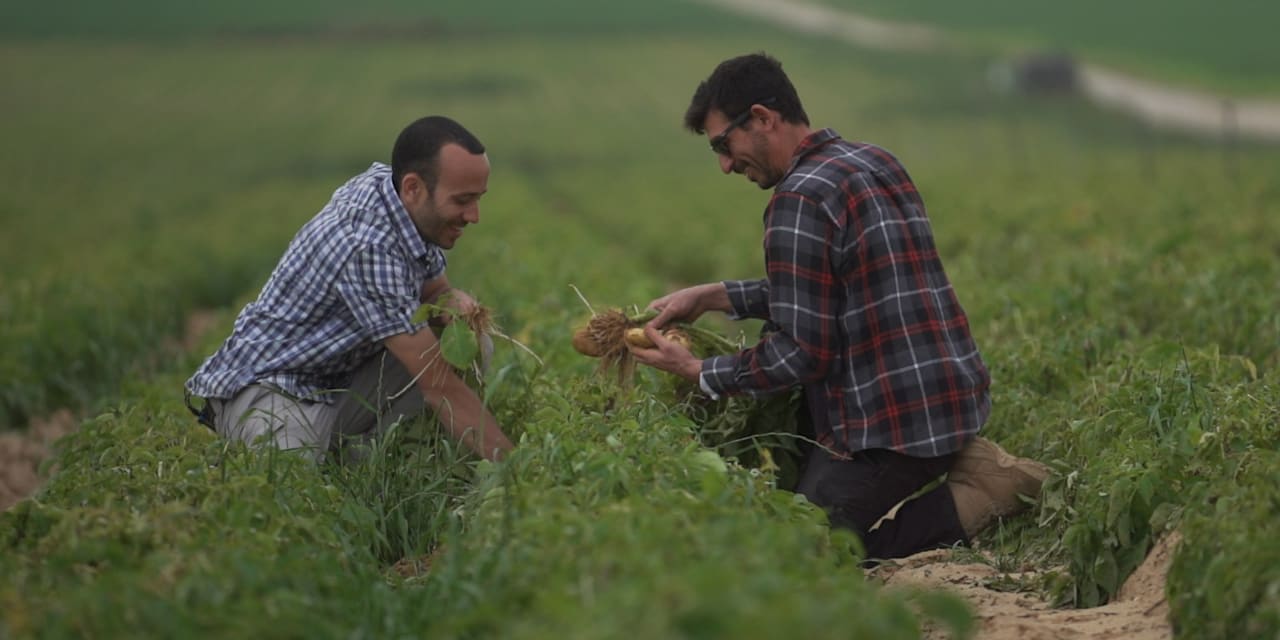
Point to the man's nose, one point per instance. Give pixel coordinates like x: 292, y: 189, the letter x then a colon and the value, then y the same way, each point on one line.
x: 472, y: 214
x: 726, y: 163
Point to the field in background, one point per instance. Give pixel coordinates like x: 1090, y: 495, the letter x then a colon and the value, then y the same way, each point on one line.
x: 132, y: 134
x: 156, y: 20
x: 1122, y: 285
x: 1224, y: 46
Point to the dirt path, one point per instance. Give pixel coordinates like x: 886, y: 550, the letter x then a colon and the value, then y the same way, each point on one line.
x: 1176, y: 108
x: 1151, y: 102
x: 22, y: 452
x: 843, y: 25
x: 1139, y: 611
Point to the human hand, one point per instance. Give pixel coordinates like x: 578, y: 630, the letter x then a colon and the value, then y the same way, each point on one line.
x: 666, y: 355
x: 687, y: 304
x: 458, y: 303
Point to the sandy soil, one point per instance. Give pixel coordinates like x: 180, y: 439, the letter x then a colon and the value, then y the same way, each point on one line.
x: 22, y: 452
x: 1139, y: 611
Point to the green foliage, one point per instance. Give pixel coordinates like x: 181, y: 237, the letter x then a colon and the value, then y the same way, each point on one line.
x: 1225, y: 579
x: 380, y: 19
x: 604, y: 522
x: 1121, y: 283
x: 151, y: 519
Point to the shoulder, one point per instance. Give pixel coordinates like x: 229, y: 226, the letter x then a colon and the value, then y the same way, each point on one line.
x: 843, y: 175
x: 359, y: 211
x: 836, y: 164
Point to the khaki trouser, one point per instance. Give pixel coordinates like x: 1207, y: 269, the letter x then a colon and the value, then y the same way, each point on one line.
x: 381, y: 393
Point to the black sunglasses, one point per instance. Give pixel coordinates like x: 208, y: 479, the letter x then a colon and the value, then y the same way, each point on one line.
x: 720, y: 143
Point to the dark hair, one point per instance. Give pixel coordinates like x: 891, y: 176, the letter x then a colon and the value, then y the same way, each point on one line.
x: 417, y: 149
x: 738, y: 83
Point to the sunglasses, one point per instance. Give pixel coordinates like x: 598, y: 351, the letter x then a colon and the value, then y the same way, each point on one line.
x: 720, y: 143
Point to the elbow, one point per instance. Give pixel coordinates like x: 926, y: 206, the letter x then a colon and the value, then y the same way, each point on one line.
x: 818, y: 362
x: 807, y: 364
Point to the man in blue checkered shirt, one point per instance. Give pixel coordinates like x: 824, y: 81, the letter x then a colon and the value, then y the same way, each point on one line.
x: 866, y: 320
x: 328, y: 354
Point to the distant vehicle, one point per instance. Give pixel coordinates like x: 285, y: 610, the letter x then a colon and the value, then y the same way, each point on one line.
x: 1036, y: 73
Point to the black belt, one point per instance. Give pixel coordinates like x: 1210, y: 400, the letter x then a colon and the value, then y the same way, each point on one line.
x: 205, y: 414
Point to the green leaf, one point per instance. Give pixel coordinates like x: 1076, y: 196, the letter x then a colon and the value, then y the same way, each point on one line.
x: 947, y: 609
x: 424, y: 313
x: 1106, y: 571
x: 458, y: 345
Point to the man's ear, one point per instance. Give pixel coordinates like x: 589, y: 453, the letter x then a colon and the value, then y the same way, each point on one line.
x: 764, y: 118
x: 413, y: 188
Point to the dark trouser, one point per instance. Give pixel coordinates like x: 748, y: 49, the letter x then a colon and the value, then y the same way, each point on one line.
x: 855, y: 493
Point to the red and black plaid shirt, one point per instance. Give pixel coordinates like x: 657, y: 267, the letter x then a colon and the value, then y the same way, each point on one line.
x: 868, y: 321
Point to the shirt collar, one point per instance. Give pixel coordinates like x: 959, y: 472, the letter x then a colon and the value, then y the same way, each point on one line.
x: 400, y: 219
x: 810, y: 144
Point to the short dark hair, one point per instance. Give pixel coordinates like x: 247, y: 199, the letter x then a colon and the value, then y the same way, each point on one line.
x: 738, y: 83
x: 417, y: 148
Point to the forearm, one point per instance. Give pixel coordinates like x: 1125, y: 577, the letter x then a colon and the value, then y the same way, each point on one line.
x: 433, y: 289
x: 458, y: 408
x: 774, y: 364
x: 465, y: 419
x: 713, y: 297
x: 799, y: 296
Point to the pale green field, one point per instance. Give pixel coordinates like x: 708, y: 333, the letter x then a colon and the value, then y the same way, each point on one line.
x: 1121, y: 283
x: 1227, y: 46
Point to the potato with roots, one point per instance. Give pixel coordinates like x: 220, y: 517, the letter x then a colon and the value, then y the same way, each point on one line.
x: 636, y: 337
x: 602, y: 336
x: 756, y: 431
x: 607, y: 335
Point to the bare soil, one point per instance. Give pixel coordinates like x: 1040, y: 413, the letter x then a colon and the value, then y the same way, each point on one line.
x: 22, y: 452
x: 1139, y: 611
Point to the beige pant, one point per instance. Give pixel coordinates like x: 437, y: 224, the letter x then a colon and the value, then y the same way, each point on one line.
x: 381, y: 393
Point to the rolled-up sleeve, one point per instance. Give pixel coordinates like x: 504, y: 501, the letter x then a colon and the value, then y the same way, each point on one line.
x: 379, y: 288
x: 802, y: 297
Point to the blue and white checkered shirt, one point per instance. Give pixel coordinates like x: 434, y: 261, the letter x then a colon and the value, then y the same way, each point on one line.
x: 352, y: 277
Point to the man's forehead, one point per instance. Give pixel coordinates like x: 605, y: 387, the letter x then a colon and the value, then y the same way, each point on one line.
x: 452, y: 152
x: 454, y: 157
x: 715, y: 121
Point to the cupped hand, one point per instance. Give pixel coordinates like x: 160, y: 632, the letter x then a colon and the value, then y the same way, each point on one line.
x: 667, y: 355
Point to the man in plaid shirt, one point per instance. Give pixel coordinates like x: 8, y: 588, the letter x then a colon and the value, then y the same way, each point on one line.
x: 328, y: 354
x: 866, y: 321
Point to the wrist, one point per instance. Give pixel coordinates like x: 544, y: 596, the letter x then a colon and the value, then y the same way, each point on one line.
x: 691, y: 369
x: 716, y: 298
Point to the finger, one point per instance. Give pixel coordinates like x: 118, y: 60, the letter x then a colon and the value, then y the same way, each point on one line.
x: 643, y: 355
x: 659, y: 341
x: 661, y: 320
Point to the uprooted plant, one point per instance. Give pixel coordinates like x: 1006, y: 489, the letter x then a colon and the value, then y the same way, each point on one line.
x: 764, y: 432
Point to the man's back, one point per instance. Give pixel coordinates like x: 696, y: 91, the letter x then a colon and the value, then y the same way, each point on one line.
x: 351, y: 276
x: 847, y: 224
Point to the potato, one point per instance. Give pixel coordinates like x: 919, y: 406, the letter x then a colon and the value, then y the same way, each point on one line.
x: 586, y: 344
x: 679, y: 337
x: 636, y: 337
